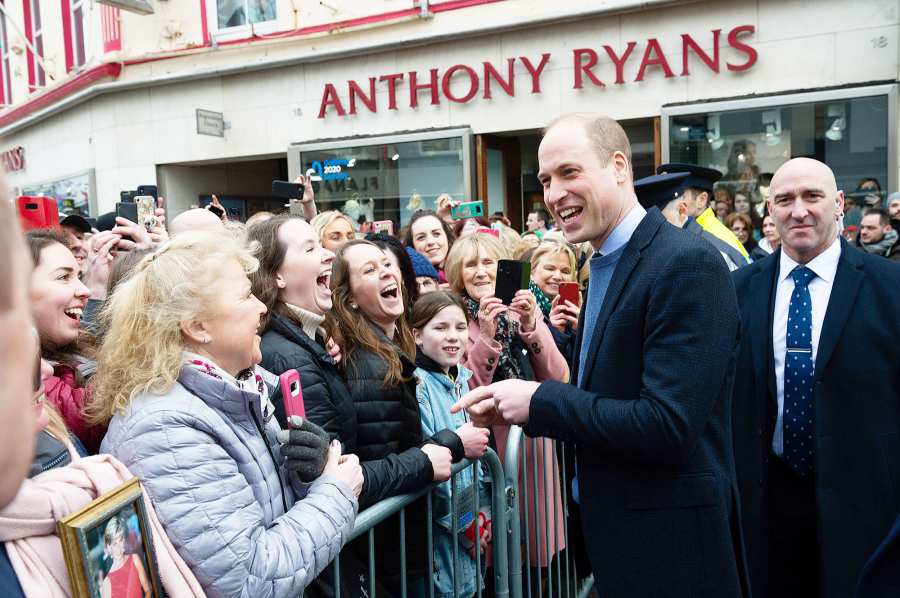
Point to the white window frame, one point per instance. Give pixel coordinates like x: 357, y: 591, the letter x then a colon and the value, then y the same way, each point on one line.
x: 84, y: 6
x: 218, y: 34
x: 37, y: 42
x: 6, y: 81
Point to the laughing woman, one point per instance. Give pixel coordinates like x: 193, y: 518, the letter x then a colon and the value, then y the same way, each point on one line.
x: 377, y: 346
x: 58, y: 298
x: 188, y: 415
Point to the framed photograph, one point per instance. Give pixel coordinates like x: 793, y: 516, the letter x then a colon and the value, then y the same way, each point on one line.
x: 108, y: 547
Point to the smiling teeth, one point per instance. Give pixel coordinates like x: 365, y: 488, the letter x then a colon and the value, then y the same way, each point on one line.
x: 568, y: 212
x: 74, y: 312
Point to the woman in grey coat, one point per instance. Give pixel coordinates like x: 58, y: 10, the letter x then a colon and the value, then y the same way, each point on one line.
x: 189, y: 416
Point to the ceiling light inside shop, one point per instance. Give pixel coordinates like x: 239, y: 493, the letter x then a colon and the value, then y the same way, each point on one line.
x: 838, y: 119
x: 395, y: 157
x: 772, y: 122
x: 714, y: 132
x: 351, y: 162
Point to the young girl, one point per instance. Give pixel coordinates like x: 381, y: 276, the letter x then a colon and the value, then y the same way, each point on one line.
x: 440, y: 330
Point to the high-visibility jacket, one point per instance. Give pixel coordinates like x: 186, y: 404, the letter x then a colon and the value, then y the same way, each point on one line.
x: 708, y: 222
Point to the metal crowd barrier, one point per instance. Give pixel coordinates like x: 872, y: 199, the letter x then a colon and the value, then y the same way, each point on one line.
x: 529, y: 464
x: 369, y: 518
x: 531, y: 548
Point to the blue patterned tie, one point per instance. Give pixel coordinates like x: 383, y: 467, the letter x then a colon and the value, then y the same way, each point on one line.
x: 799, y: 442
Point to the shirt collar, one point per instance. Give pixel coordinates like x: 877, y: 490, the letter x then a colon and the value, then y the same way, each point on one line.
x: 623, y: 231
x: 823, y: 265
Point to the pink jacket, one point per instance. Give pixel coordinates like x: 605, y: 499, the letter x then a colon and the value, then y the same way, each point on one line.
x: 545, y: 515
x: 28, y: 527
x: 63, y: 391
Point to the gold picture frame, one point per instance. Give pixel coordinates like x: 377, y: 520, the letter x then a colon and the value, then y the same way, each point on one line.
x: 108, y: 546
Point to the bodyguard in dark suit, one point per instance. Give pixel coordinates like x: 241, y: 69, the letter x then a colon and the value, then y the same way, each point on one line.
x: 654, y: 364
x: 817, y: 396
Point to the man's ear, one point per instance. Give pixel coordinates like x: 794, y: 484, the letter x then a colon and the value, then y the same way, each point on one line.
x: 703, y: 199
x: 622, y: 167
x: 682, y: 208
x: 839, y: 204
x: 196, y: 332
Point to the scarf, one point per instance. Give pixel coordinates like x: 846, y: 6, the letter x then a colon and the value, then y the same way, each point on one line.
x: 250, y: 380
x: 507, y: 333
x: 308, y: 320
x: 882, y: 246
x: 543, y: 301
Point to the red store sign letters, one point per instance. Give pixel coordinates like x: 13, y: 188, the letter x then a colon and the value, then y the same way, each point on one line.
x: 13, y: 159
x: 488, y: 79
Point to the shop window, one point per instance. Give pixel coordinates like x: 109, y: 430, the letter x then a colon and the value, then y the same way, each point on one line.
x: 388, y: 181
x: 748, y: 145
x: 5, y: 73
x: 236, y: 18
x: 35, y: 33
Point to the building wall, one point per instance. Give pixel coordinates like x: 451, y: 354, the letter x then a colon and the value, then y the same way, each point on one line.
x: 125, y: 135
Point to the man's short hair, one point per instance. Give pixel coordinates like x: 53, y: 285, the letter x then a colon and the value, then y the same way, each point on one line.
x: 541, y: 215
x: 883, y: 217
x: 605, y: 134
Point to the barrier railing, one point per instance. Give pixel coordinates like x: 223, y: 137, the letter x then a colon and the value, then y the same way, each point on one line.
x: 371, y: 517
x: 538, y: 493
x: 533, y: 555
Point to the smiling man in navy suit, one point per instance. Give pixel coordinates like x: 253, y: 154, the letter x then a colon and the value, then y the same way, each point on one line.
x: 650, y: 410
x: 816, y: 396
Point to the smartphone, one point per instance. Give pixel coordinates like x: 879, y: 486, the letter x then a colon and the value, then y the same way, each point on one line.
x: 568, y: 291
x: 383, y: 226
x: 127, y: 196
x: 150, y: 190
x: 37, y: 212
x: 287, y: 190
x: 216, y: 210
x: 469, y: 209
x: 512, y: 276
x: 292, y: 395
x: 127, y: 210
x: 146, y: 211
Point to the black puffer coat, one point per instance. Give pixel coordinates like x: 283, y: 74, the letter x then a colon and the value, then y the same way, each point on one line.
x: 387, y: 448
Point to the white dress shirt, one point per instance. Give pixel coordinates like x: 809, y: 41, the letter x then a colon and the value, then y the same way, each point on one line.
x: 824, y: 266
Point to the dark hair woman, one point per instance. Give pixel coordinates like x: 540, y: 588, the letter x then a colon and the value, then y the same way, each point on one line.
x: 58, y: 299
x: 377, y: 344
x: 430, y: 235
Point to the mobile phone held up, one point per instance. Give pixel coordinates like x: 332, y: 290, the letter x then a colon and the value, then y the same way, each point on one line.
x: 37, y: 212
x: 287, y: 190
x: 146, y: 211
x: 292, y: 395
x: 127, y: 210
x: 469, y: 209
x: 568, y: 291
x: 512, y: 276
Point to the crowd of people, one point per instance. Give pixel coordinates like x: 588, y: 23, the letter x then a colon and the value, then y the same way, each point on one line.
x: 160, y: 353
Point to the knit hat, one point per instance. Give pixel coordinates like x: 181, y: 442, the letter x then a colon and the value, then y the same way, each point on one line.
x: 421, y: 265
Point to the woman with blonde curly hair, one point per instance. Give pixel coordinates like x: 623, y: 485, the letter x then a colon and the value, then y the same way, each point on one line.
x: 334, y: 228
x: 189, y: 416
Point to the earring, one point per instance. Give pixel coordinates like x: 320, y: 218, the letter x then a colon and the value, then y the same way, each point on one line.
x: 354, y: 306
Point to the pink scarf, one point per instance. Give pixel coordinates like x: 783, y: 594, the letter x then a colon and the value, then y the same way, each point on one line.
x: 28, y: 526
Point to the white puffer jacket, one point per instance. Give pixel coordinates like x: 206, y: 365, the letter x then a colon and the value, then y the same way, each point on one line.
x: 214, y: 473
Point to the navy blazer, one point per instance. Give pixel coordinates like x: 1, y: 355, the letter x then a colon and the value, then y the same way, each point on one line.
x: 857, y: 414
x: 651, y: 421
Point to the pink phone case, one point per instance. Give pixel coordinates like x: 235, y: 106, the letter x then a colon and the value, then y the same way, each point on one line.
x: 383, y: 226
x: 292, y: 394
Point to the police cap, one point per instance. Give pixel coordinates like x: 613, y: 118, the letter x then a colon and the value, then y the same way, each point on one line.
x: 701, y: 178
x: 659, y: 189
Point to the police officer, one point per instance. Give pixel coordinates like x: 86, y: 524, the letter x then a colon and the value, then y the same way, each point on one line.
x: 682, y: 194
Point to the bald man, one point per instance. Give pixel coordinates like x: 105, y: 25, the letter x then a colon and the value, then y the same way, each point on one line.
x: 195, y: 219
x: 816, y: 396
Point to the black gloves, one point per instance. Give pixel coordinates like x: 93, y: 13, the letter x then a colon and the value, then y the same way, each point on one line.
x: 305, y: 450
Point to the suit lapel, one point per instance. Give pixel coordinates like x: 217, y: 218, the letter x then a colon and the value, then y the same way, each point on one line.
x: 761, y: 292
x: 631, y: 255
x: 847, y: 279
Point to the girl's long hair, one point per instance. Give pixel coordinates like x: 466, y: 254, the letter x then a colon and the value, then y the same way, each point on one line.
x: 353, y: 330
x: 142, y: 348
